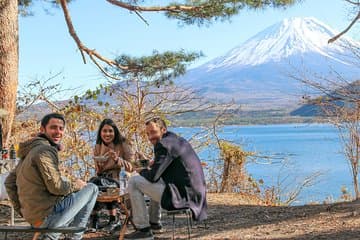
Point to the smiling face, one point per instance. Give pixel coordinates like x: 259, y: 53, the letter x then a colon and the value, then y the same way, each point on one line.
x: 154, y: 132
x: 54, y: 130
x: 107, y: 134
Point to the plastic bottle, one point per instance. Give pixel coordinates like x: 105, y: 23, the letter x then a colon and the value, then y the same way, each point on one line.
x: 12, y: 153
x: 123, y: 181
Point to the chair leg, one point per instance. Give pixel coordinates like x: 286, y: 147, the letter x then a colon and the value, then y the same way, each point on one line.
x: 123, y: 228
x: 36, y: 235
x: 188, y: 216
x: 173, y: 227
x: 12, y: 216
x: 5, y: 235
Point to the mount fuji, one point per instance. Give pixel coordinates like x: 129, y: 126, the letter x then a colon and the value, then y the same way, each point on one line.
x: 258, y: 72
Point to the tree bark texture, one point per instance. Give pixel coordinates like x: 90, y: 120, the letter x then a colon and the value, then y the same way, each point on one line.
x: 9, y: 62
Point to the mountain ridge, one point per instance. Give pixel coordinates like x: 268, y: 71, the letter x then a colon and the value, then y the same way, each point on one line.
x: 253, y: 70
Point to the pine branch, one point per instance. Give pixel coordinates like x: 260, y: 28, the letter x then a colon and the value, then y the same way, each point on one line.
x: 169, y: 65
x: 201, y: 12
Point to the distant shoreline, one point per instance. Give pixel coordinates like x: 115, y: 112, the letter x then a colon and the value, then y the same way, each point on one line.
x: 200, y: 122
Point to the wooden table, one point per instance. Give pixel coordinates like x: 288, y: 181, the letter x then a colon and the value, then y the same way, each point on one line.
x: 125, y: 208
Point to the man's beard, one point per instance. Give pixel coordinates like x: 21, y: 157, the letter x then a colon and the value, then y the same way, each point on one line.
x: 52, y: 143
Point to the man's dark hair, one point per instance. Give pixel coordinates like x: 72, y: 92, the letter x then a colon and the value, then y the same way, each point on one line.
x: 158, y: 121
x: 118, y: 138
x: 45, y: 120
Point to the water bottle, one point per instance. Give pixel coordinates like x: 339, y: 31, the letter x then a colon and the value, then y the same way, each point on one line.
x: 12, y: 156
x: 12, y: 153
x: 123, y: 181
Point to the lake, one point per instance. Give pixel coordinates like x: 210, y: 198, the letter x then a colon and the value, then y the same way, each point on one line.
x: 308, y: 148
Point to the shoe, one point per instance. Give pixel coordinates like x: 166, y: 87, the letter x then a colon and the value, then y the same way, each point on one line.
x: 94, y: 224
x: 45, y: 238
x: 91, y: 230
x: 156, y: 227
x: 112, y: 226
x: 139, y: 235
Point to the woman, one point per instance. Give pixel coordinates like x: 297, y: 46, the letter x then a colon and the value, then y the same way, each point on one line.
x: 118, y: 153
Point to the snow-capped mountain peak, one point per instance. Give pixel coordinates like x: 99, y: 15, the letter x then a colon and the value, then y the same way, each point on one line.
x: 289, y: 37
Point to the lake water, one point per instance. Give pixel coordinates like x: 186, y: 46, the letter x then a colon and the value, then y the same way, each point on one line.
x: 308, y: 148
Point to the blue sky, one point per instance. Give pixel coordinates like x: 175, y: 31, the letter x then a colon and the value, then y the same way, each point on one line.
x: 46, y: 47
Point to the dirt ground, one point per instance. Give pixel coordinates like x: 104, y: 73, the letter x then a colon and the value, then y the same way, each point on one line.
x: 231, y: 217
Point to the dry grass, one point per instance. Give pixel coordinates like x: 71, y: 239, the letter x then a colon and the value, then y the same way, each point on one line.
x: 233, y: 216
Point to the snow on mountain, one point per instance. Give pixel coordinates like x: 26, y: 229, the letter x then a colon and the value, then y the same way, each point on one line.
x: 284, y: 39
x: 258, y: 70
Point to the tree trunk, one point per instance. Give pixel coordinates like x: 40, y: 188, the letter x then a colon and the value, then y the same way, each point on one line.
x: 356, y: 187
x: 9, y: 61
x: 356, y: 139
x: 225, y: 176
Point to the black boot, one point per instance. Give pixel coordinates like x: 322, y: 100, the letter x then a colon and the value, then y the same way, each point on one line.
x: 94, y: 223
x: 156, y: 227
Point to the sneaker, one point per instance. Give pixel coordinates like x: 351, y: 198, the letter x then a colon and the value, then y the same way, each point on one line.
x: 139, y: 235
x: 156, y: 227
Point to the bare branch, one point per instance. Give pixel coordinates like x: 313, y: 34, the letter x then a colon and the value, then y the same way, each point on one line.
x: 142, y: 18
x: 90, y: 52
x: 333, y: 39
x: 307, y: 182
x: 102, y: 69
x: 352, y: 2
x: 51, y: 104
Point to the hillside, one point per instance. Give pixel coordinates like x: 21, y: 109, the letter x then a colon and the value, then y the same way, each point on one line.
x: 339, y: 97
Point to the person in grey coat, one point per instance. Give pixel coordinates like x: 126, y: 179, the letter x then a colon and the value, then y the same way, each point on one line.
x: 175, y: 180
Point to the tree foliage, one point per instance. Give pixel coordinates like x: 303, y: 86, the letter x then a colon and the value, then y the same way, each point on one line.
x: 205, y: 12
x: 198, y: 12
x: 159, y: 67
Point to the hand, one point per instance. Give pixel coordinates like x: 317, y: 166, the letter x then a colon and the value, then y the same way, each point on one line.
x: 140, y: 155
x: 79, y: 184
x: 127, y: 165
x: 152, y: 161
x: 112, y: 155
x: 138, y: 169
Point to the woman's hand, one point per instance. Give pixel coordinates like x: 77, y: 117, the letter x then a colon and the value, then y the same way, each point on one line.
x: 127, y: 165
x: 97, y: 169
x: 112, y: 155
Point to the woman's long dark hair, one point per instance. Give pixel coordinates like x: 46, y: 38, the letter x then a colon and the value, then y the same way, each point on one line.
x: 118, y: 138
